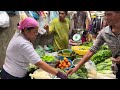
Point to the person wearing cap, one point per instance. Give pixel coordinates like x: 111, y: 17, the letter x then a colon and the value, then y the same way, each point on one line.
x: 20, y: 52
x: 109, y: 35
x: 60, y: 28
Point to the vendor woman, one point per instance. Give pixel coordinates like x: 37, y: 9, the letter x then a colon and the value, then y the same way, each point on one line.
x: 20, y: 52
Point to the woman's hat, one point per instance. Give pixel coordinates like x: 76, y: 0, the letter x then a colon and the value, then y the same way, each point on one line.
x: 28, y: 23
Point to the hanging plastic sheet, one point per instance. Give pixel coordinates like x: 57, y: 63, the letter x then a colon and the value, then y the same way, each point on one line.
x: 53, y: 15
x: 4, y: 19
x: 43, y: 19
x: 33, y: 14
x: 23, y: 15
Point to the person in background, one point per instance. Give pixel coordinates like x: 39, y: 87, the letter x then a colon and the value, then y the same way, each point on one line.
x: 84, y: 23
x: 104, y: 24
x: 20, y: 52
x: 88, y: 21
x: 109, y: 35
x: 60, y: 28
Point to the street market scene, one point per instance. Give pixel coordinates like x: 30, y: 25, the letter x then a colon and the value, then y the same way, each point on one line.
x: 60, y: 45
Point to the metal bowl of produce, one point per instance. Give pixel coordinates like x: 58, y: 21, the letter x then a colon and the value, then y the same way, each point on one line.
x: 75, y: 61
x: 67, y: 53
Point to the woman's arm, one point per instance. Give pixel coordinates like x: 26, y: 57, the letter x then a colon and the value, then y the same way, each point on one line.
x: 46, y: 67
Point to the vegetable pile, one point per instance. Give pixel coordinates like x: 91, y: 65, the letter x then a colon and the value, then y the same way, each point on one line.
x: 73, y: 76
x: 103, y: 54
x: 105, y: 67
x: 48, y: 58
x: 80, y: 74
x: 32, y: 68
x: 40, y: 51
x: 89, y: 44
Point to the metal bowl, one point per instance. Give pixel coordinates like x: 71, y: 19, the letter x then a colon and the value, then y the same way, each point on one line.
x: 67, y: 53
x: 75, y: 61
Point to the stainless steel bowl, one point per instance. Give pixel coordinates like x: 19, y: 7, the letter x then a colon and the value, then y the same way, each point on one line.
x: 75, y: 61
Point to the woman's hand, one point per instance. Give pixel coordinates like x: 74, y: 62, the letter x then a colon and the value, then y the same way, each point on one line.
x: 61, y: 75
x: 71, y: 71
x: 46, y: 27
x: 116, y: 60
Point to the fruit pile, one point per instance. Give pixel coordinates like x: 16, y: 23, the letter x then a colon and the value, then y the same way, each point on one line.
x: 65, y: 63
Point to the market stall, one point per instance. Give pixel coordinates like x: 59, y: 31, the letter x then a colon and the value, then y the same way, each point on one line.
x: 98, y: 67
x: 83, y: 26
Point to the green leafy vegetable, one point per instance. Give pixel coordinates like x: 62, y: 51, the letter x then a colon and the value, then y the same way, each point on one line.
x: 40, y: 51
x: 101, y: 56
x: 48, y: 58
x: 32, y: 68
x: 104, y: 66
x: 80, y: 74
x: 89, y: 44
x: 73, y: 76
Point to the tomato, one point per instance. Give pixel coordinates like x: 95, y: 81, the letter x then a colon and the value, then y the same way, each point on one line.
x: 68, y: 64
x: 66, y: 60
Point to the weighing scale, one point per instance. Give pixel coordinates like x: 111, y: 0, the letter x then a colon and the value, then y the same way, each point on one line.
x: 77, y: 36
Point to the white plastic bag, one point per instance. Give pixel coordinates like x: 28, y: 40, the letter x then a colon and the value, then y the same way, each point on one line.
x: 91, y: 68
x: 4, y: 19
x: 40, y: 74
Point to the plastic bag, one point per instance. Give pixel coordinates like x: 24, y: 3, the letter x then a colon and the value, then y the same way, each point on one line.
x: 40, y: 74
x: 34, y: 15
x: 91, y: 68
x: 42, y: 21
x: 22, y: 15
x: 4, y: 19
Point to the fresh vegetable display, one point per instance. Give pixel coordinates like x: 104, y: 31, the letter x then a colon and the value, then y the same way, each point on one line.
x: 80, y: 74
x: 105, y: 67
x: 48, y: 58
x: 32, y: 68
x: 73, y: 76
x: 104, y: 47
x: 89, y: 44
x: 101, y: 59
x: 101, y: 56
x: 40, y: 51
